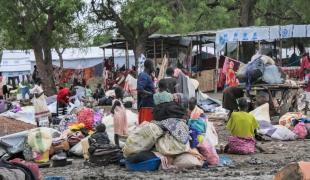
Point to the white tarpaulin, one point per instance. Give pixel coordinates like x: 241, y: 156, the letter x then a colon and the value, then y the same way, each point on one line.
x: 27, y: 114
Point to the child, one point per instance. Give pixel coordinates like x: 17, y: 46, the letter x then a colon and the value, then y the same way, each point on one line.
x: 162, y: 96
x: 194, y: 111
x: 88, y: 95
x: 242, y: 126
x: 100, y: 137
x: 88, y: 92
x: 119, y: 115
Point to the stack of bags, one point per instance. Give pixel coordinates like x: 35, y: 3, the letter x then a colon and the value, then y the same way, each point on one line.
x: 171, y: 143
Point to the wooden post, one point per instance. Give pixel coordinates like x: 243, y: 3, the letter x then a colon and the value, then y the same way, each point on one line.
x: 127, y: 56
x: 162, y: 48
x: 294, y: 44
x: 214, y: 49
x: 280, y: 52
x: 154, y: 54
x: 198, y: 53
x: 226, y: 50
x: 190, y: 57
x: 216, y: 72
x: 238, y: 51
x: 103, y: 53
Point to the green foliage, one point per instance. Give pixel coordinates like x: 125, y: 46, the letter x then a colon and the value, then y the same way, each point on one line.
x: 200, y: 15
x: 23, y: 21
x: 273, y: 12
x: 152, y: 13
x: 100, y: 39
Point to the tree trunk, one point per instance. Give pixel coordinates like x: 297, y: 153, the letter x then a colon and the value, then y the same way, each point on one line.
x: 138, y: 49
x: 61, y: 64
x: 44, y: 64
x: 247, y: 19
x: 61, y: 60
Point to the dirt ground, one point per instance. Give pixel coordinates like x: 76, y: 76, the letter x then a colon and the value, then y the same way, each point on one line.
x: 257, y: 166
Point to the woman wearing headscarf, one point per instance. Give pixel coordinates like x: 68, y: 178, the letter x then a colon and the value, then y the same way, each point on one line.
x: 39, y: 102
x: 146, y: 89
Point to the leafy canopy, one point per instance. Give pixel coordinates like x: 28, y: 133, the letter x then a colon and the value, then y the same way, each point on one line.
x: 23, y: 21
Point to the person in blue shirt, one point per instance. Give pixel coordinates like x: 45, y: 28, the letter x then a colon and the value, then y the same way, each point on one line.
x: 146, y: 89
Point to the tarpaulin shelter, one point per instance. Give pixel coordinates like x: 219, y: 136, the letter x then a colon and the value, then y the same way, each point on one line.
x: 15, y: 63
x: 261, y: 34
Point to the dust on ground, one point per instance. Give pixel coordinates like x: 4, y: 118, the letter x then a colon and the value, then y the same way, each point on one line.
x: 259, y: 166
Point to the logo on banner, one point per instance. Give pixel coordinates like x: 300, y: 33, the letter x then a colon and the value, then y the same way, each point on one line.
x: 254, y: 36
x: 284, y: 33
x: 223, y: 39
x: 235, y: 36
x: 245, y: 36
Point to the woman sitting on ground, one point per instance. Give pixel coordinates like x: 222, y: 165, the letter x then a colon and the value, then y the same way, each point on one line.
x: 162, y: 96
x: 242, y: 126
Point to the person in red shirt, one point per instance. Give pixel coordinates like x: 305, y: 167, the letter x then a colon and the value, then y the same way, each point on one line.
x: 63, y: 100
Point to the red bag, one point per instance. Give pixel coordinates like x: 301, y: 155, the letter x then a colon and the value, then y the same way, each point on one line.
x: 33, y: 167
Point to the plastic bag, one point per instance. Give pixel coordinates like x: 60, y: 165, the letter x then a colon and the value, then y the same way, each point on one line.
x: 283, y: 133
x: 261, y: 113
x: 272, y: 75
x: 40, y: 140
x: 211, y: 134
x: 187, y: 161
x: 143, y: 138
x: 77, y: 149
x: 300, y: 130
x: 209, y: 152
x: 168, y: 145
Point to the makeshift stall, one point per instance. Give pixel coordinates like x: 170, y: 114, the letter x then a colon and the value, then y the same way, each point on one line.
x: 261, y: 34
x: 283, y: 98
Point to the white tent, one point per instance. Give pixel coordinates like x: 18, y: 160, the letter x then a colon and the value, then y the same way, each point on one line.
x: 18, y: 62
x: 15, y: 63
x: 81, y: 58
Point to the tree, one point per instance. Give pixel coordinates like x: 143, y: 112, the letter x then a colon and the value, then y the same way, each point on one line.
x: 135, y: 20
x: 40, y: 25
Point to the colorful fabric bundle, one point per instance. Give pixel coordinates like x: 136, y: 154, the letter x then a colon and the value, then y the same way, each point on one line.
x: 238, y: 145
x: 86, y: 116
x: 176, y: 127
x: 286, y: 119
x: 300, y: 130
x: 66, y: 122
x: 198, y: 124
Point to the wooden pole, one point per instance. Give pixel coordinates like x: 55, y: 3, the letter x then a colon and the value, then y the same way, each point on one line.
x: 154, y: 50
x: 226, y: 50
x: 216, y: 72
x: 162, y: 48
x: 238, y: 51
x: 294, y: 44
x: 103, y: 53
x: 127, y: 56
x: 280, y: 52
x: 190, y: 57
x: 198, y: 53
